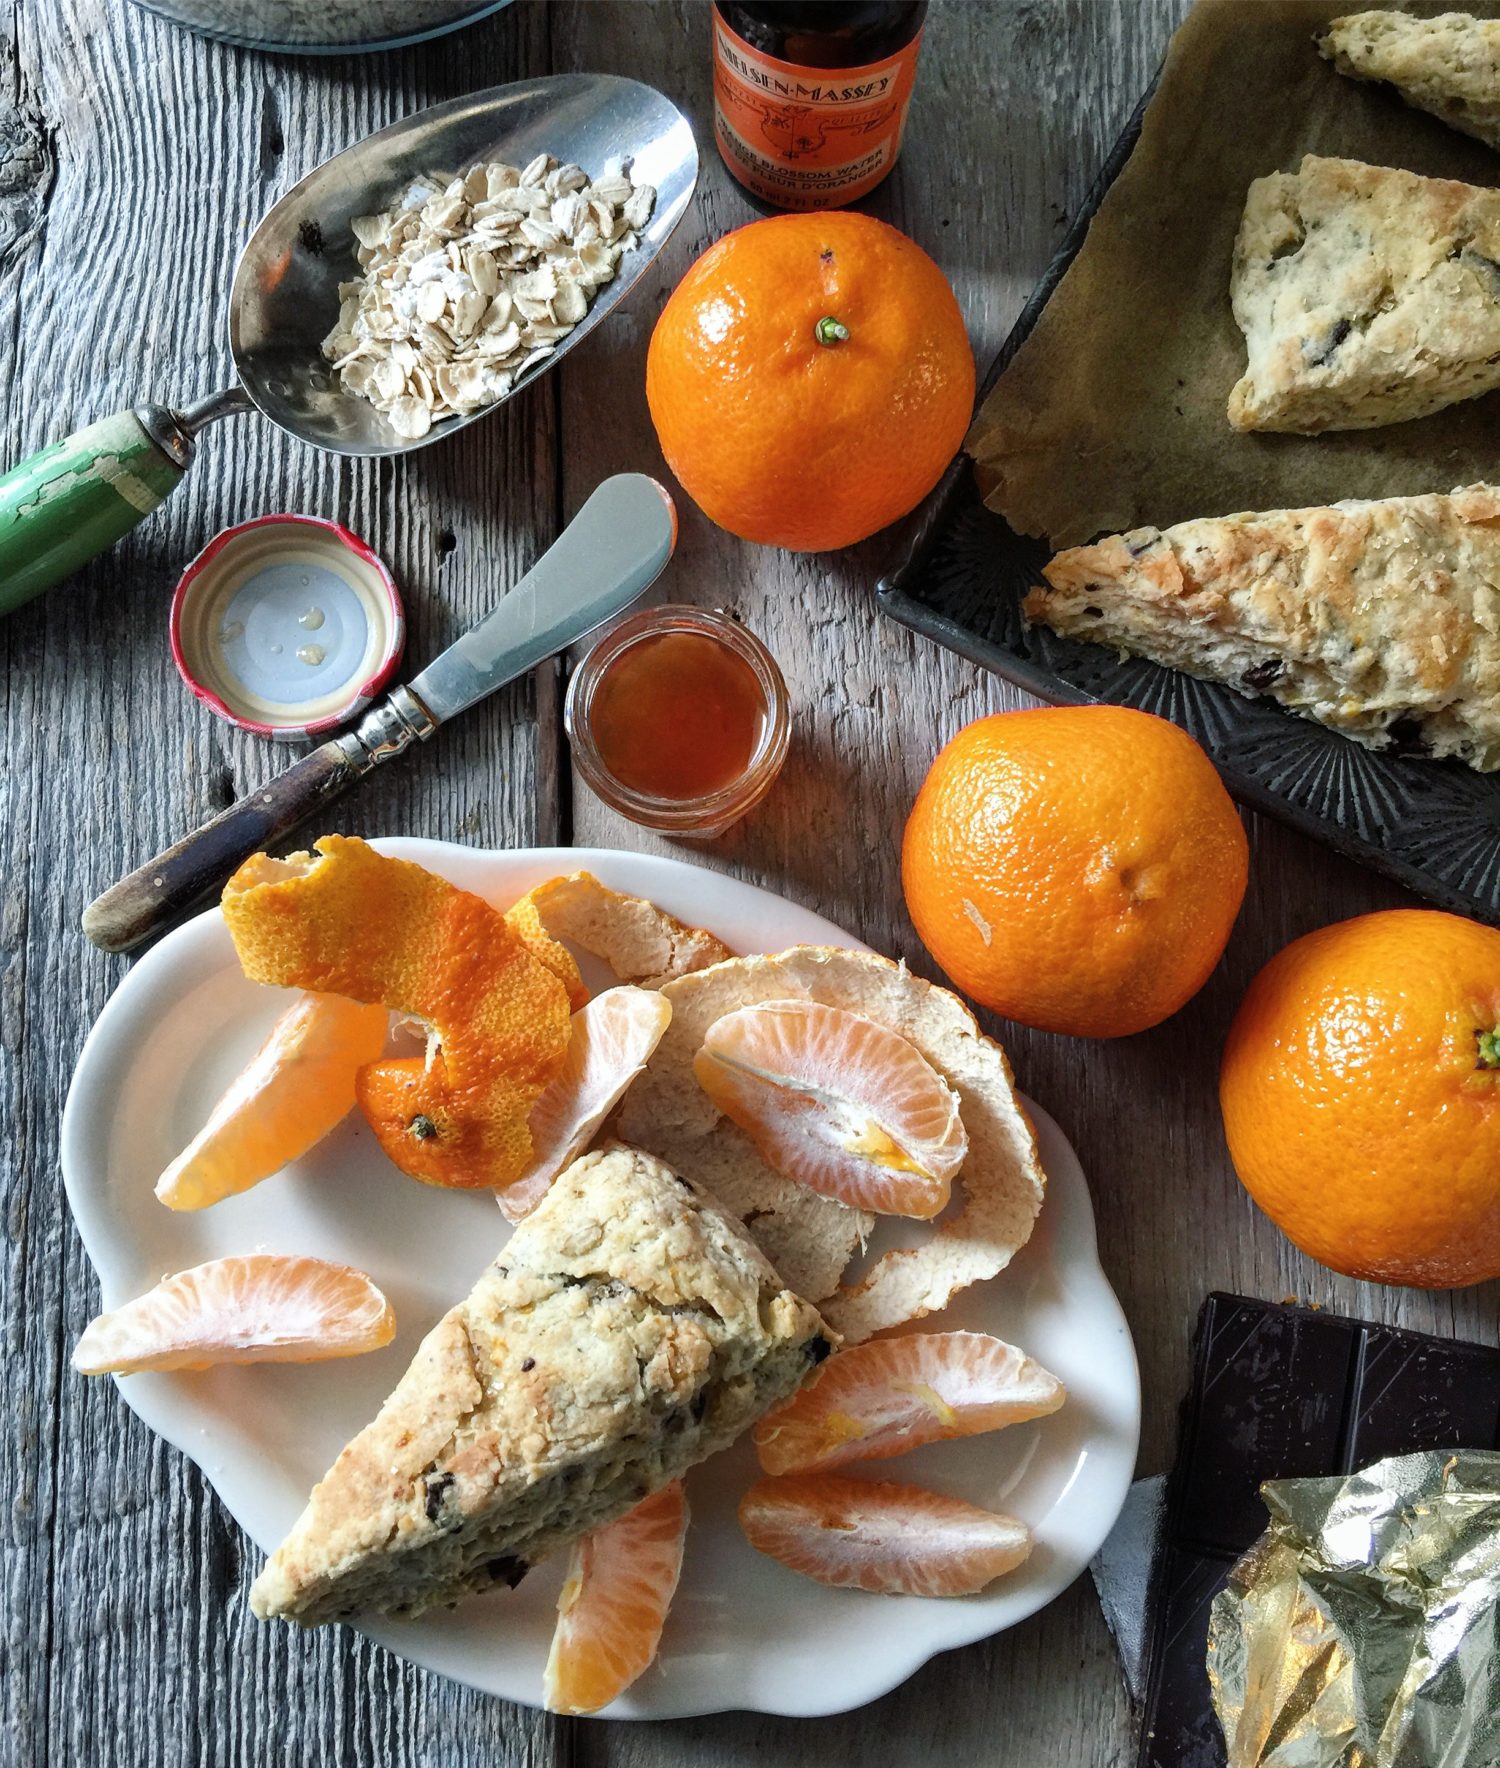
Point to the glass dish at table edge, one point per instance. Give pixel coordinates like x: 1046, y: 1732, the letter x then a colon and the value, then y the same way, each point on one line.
x: 470, y: 12
x: 1433, y: 826
x: 743, y: 1629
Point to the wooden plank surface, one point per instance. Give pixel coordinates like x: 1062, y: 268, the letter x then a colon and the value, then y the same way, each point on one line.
x: 133, y: 158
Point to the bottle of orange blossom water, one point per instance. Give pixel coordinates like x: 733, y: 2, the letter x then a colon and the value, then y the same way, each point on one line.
x: 810, y: 96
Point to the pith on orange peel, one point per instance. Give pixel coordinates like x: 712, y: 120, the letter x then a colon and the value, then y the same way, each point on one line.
x: 355, y: 922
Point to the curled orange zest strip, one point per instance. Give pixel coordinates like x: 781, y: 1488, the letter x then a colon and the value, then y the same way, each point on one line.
x: 526, y: 922
x: 354, y: 922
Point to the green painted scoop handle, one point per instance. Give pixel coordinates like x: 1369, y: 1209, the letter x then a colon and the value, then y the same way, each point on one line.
x: 79, y: 496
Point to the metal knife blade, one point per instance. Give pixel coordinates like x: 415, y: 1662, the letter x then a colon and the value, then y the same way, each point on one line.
x: 609, y: 554
x: 631, y: 521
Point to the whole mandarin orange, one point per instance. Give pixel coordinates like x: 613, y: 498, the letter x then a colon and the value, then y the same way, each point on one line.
x: 1361, y: 1097
x: 1076, y: 868
x: 809, y: 379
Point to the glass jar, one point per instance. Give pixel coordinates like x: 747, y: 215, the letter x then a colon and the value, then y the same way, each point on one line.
x: 322, y: 26
x: 679, y: 720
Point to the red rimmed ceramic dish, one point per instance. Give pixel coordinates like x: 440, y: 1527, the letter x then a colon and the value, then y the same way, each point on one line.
x: 287, y: 625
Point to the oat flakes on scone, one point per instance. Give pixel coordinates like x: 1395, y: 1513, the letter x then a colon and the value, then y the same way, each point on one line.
x: 1379, y: 618
x: 1448, y: 65
x: 628, y: 1329
x: 1367, y: 296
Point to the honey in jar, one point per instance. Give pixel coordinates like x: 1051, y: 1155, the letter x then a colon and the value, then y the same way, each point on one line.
x: 678, y: 715
x: 678, y: 719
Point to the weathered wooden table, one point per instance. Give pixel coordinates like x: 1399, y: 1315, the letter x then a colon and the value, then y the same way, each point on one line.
x: 133, y: 160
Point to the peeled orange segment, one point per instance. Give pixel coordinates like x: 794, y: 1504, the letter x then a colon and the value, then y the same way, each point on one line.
x: 354, y: 922
x: 897, y: 1540
x: 613, y: 1037
x: 640, y: 942
x: 298, y: 1087
x: 808, y: 1238
x: 837, y: 1102
x: 259, y: 1309
x: 893, y: 1394
x: 620, y: 1584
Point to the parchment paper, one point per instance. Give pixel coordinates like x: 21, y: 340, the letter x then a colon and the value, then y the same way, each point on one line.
x: 1111, y: 414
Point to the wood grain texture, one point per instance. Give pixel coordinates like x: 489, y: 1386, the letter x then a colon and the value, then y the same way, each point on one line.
x: 127, y: 1638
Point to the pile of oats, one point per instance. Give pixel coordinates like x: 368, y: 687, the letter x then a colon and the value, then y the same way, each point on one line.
x: 468, y: 284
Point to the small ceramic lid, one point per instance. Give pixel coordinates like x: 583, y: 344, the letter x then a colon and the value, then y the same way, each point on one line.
x: 287, y: 625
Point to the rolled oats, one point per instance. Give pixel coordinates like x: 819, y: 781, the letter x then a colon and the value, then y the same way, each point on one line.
x: 471, y: 281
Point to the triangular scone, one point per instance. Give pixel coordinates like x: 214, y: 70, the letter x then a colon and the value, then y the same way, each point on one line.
x: 1448, y: 65
x: 628, y: 1329
x: 1366, y: 295
x: 1381, y: 619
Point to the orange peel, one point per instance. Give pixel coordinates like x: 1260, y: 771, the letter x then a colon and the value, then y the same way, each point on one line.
x: 348, y: 920
x: 525, y: 921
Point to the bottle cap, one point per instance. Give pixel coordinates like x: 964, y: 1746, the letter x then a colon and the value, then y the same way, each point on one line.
x: 287, y: 626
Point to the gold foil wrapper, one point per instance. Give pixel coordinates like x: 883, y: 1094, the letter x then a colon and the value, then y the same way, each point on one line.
x: 1363, y: 1629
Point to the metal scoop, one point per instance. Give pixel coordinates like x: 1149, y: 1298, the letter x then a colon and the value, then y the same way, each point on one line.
x: 78, y: 496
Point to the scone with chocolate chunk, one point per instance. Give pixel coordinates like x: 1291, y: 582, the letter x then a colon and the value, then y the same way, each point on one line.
x: 1366, y: 295
x: 1448, y: 65
x: 1380, y: 619
x: 628, y: 1329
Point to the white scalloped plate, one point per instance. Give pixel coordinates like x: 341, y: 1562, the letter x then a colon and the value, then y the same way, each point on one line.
x: 744, y: 1632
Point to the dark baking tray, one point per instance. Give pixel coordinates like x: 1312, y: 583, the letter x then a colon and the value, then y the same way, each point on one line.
x: 1434, y: 826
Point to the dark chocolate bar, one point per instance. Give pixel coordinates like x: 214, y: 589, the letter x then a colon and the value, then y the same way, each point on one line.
x: 1280, y: 1392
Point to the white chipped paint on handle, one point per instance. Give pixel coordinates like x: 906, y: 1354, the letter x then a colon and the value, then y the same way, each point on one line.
x: 74, y: 499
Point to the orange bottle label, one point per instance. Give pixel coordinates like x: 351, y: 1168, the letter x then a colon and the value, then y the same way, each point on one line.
x: 808, y: 138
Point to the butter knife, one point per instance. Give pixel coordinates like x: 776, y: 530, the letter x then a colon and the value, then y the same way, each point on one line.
x: 607, y: 556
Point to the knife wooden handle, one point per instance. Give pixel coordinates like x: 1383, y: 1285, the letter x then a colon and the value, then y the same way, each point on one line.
x: 149, y: 900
